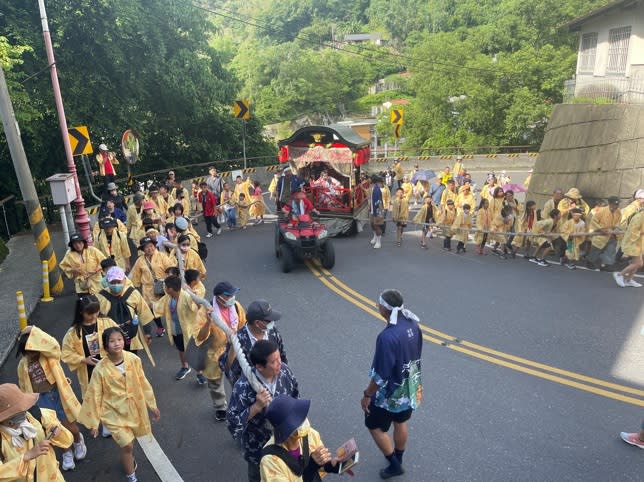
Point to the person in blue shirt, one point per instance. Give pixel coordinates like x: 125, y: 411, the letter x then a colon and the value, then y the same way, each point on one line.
x: 395, y: 389
x: 287, y: 185
x: 376, y: 211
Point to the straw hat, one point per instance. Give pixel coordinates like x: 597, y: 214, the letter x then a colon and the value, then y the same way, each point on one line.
x: 573, y: 193
x: 13, y: 400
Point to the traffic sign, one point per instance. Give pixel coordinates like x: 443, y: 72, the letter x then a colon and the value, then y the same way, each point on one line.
x: 397, y: 116
x: 397, y: 131
x: 241, y: 109
x: 79, y: 140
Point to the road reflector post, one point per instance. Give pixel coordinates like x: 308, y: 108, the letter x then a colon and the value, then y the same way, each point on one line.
x: 22, y: 314
x: 46, y: 296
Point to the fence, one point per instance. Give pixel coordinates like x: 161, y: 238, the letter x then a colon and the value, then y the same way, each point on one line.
x: 619, y: 90
x: 14, y: 218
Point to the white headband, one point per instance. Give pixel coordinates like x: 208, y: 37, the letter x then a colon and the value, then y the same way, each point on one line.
x: 393, y: 317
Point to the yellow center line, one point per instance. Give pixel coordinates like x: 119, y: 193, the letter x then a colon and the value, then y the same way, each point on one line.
x: 466, y: 347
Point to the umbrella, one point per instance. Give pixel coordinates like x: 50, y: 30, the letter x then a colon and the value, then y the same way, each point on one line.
x: 514, y: 187
x: 423, y: 175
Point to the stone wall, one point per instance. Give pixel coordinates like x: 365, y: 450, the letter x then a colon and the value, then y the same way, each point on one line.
x: 598, y: 149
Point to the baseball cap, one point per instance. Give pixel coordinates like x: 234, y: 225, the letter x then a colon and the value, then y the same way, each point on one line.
x: 613, y: 200
x: 115, y: 273
x: 102, y: 147
x: 181, y: 223
x: 261, y: 310
x: 224, y: 288
x: 111, y: 186
x: 107, y: 223
x: 75, y: 237
x: 639, y: 194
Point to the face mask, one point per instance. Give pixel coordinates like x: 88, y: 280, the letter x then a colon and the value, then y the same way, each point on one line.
x: 184, y: 249
x: 466, y: 211
x: 116, y: 288
x: 229, y: 302
x: 270, y: 326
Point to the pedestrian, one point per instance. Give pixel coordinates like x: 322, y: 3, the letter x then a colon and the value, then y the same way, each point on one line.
x: 82, y: 263
x: 40, y: 371
x: 27, y: 437
x: 243, y: 210
x: 552, y: 203
x: 398, y: 173
x: 425, y: 217
x: 169, y: 181
x: 572, y: 199
x: 82, y: 345
x: 445, y: 220
x: 295, y: 451
x: 525, y: 225
x: 395, y: 387
x: 465, y: 196
x: 483, y: 223
x: 570, y: 233
x: 246, y: 415
x: 106, y: 161
x: 165, y: 201
x: 214, y: 181
x: 188, y: 256
x: 400, y: 213
x: 185, y: 227
x: 603, y: 249
x: 544, y: 238
x: 257, y: 208
x: 113, y: 244
x: 260, y: 325
x: 408, y: 189
x: 501, y: 226
x: 112, y: 194
x: 449, y: 194
x: 119, y: 396
x: 272, y: 187
x: 112, y: 211
x: 208, y: 202
x: 228, y: 203
x: 634, y: 438
x: 461, y: 226
x: 376, y: 211
x: 632, y: 246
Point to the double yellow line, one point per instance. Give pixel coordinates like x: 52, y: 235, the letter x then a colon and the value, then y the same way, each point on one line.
x: 588, y: 384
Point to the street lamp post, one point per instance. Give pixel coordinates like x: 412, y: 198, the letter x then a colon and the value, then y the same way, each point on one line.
x: 81, y: 218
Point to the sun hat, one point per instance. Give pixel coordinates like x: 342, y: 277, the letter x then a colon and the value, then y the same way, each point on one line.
x: 573, y: 193
x: 115, y: 273
x: 148, y: 205
x: 111, y: 186
x: 261, y: 310
x: 145, y: 241
x: 76, y: 237
x: 13, y: 401
x: 286, y: 414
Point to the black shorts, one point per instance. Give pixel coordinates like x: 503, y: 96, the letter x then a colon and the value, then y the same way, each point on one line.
x: 178, y: 342
x: 546, y: 245
x: 381, y: 418
x: 400, y: 224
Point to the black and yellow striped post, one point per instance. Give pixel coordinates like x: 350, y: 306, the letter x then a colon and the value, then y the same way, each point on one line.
x: 28, y: 189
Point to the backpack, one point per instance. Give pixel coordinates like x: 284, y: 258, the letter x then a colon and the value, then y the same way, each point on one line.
x: 202, y: 249
x: 120, y: 313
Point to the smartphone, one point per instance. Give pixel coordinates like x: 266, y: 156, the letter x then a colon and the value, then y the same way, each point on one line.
x: 52, y: 432
x: 347, y: 464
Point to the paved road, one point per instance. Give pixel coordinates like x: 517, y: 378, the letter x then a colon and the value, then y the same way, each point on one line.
x: 485, y: 416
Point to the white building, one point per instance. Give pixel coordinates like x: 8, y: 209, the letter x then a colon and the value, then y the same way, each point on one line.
x: 610, y: 62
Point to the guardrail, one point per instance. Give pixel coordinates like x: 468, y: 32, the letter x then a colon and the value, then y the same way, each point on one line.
x: 620, y: 90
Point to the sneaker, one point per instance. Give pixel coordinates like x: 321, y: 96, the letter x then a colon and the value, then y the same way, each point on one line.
x: 201, y: 379
x: 220, y: 415
x: 160, y: 331
x: 619, y: 279
x: 209, y: 235
x: 377, y: 244
x: 633, y: 284
x: 131, y: 477
x: 373, y: 240
x: 543, y: 262
x: 218, y: 231
x: 533, y: 260
x: 563, y: 261
x: 632, y: 439
x: 571, y: 266
x: 80, y: 450
x: 181, y: 374
x: 68, y: 461
x: 105, y: 433
x: 391, y: 472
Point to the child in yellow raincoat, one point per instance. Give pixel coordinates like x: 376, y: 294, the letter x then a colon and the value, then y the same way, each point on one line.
x: 400, y: 213
x: 465, y: 196
x: 113, y: 244
x: 119, y: 395
x: 82, y: 348
x: 26, y: 440
x: 425, y: 217
x: 525, y: 224
x: 408, y: 188
x: 461, y: 225
x: 191, y: 259
x: 39, y: 371
x: 449, y: 194
x: 243, y: 208
x: 500, y: 227
x: 257, y: 208
x: 545, y: 235
x: 570, y: 231
x: 272, y: 187
x: 445, y: 220
x: 483, y: 222
x: 82, y: 263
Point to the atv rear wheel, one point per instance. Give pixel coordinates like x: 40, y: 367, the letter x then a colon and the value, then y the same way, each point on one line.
x: 286, y: 257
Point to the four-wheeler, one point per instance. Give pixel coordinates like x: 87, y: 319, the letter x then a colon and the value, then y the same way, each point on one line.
x: 298, y: 238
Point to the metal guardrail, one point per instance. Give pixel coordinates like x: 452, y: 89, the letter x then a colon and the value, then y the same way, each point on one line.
x: 617, y: 90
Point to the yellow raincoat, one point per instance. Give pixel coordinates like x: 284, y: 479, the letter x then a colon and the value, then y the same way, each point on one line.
x: 604, y: 219
x: 499, y: 227
x: 15, y: 468
x: 192, y: 261
x: 461, y: 224
x: 164, y: 205
x: 408, y: 190
x: 422, y: 213
x: 272, y: 187
x: 136, y: 305
x: 465, y: 197
x: 545, y: 226
x: 120, y: 402
x: 242, y: 187
x: 242, y: 212
x: 571, y: 227
x: 400, y: 210
x: 186, y: 311
x: 547, y: 207
x: 49, y: 360
x: 119, y: 248
x: 566, y: 204
x: 386, y: 197
x: 73, y: 353
x: 628, y: 211
x: 89, y: 263
x: 446, y: 219
x: 487, y: 191
x: 521, y: 226
x: 496, y: 204
x: 143, y: 278
x: 483, y: 222
x: 448, y: 195
x: 122, y: 228
x: 633, y: 239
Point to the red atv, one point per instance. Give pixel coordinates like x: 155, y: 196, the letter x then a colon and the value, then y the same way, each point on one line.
x: 302, y: 237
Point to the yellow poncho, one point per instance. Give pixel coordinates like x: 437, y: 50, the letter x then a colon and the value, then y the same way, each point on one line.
x: 465, y: 197
x: 628, y: 211
x: 566, y: 204
x: 447, y: 196
x: 49, y: 360
x: 135, y: 223
x: 604, y: 219
x: 186, y: 312
x: 633, y: 239
x: 242, y: 187
x: 499, y: 227
x: 483, y: 222
x: 408, y: 190
x: 122, y: 228
x: 119, y: 248
x: 573, y: 242
x: 400, y: 210
x: 143, y: 278
x: 242, y: 212
x: 73, y: 353
x: 120, y: 402
x: 89, y: 263
x: 446, y: 219
x: 422, y: 213
x: 14, y: 468
x: 464, y: 222
x: 386, y: 197
x: 521, y: 226
x: 191, y: 261
x: 545, y: 226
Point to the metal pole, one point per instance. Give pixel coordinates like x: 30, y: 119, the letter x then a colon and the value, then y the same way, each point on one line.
x: 70, y: 219
x: 63, y: 222
x: 82, y: 220
x: 27, y: 187
x: 85, y: 162
x: 244, y: 141
x: 6, y: 223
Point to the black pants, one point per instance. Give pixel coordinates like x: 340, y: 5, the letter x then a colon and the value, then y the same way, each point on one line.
x: 447, y: 242
x: 253, y: 472
x: 211, y: 221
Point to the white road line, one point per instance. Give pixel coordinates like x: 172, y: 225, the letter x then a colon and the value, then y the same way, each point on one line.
x: 159, y: 460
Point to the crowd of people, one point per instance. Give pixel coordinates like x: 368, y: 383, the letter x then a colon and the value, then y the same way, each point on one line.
x: 565, y: 228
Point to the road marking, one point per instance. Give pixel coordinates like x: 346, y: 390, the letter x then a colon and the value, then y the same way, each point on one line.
x: 490, y: 355
x: 159, y: 460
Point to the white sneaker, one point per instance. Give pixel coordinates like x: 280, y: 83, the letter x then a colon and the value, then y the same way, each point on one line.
x: 619, y: 279
x: 373, y: 240
x: 68, y: 461
x: 209, y: 235
x: 376, y: 245
x: 131, y: 477
x: 105, y: 433
x: 633, y: 284
x: 80, y: 449
x: 218, y: 231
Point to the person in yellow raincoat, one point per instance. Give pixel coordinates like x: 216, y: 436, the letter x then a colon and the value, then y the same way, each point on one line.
x: 82, y: 263
x: 82, y: 347
x: 243, y: 210
x: 291, y: 428
x: 461, y: 225
x: 465, y: 196
x: 124, y: 304
x: 501, y: 225
x: 572, y: 199
x: 122, y: 228
x: 604, y: 247
x: 180, y: 314
x: 525, y: 224
x: 257, y: 208
x: 242, y: 186
x: 633, y: 245
x: 445, y: 220
x: 426, y: 216
x: 134, y: 218
x: 449, y: 194
x: 483, y: 222
x: 496, y: 202
x: 184, y: 226
x: 272, y: 187
x: 27, y: 441
x: 160, y: 204
x: 191, y: 259
x: 408, y: 188
x: 400, y: 213
x: 487, y: 191
x: 545, y: 231
x: 39, y: 371
x: 119, y: 396
x: 113, y: 244
x: 570, y: 231
x: 164, y: 201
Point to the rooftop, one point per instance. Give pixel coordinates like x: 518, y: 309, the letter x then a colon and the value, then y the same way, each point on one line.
x: 576, y: 23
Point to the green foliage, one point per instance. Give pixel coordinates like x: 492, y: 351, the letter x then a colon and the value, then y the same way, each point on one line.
x: 4, y: 251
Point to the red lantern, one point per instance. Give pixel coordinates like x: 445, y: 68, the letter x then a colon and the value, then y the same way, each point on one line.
x: 283, y: 154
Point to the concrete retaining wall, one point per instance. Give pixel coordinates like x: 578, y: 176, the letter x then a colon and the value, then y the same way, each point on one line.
x: 598, y: 149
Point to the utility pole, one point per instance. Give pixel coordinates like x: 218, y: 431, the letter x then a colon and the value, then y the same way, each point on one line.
x: 82, y: 219
x: 27, y: 188
x: 244, y: 141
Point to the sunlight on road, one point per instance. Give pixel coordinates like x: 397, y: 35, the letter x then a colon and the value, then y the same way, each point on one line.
x: 629, y: 365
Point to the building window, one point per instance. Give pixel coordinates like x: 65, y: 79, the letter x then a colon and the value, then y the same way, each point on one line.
x: 618, y: 39
x: 587, y: 53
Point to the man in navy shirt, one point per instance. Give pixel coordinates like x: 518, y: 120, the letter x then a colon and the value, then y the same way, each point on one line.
x: 395, y: 389
x: 376, y: 211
